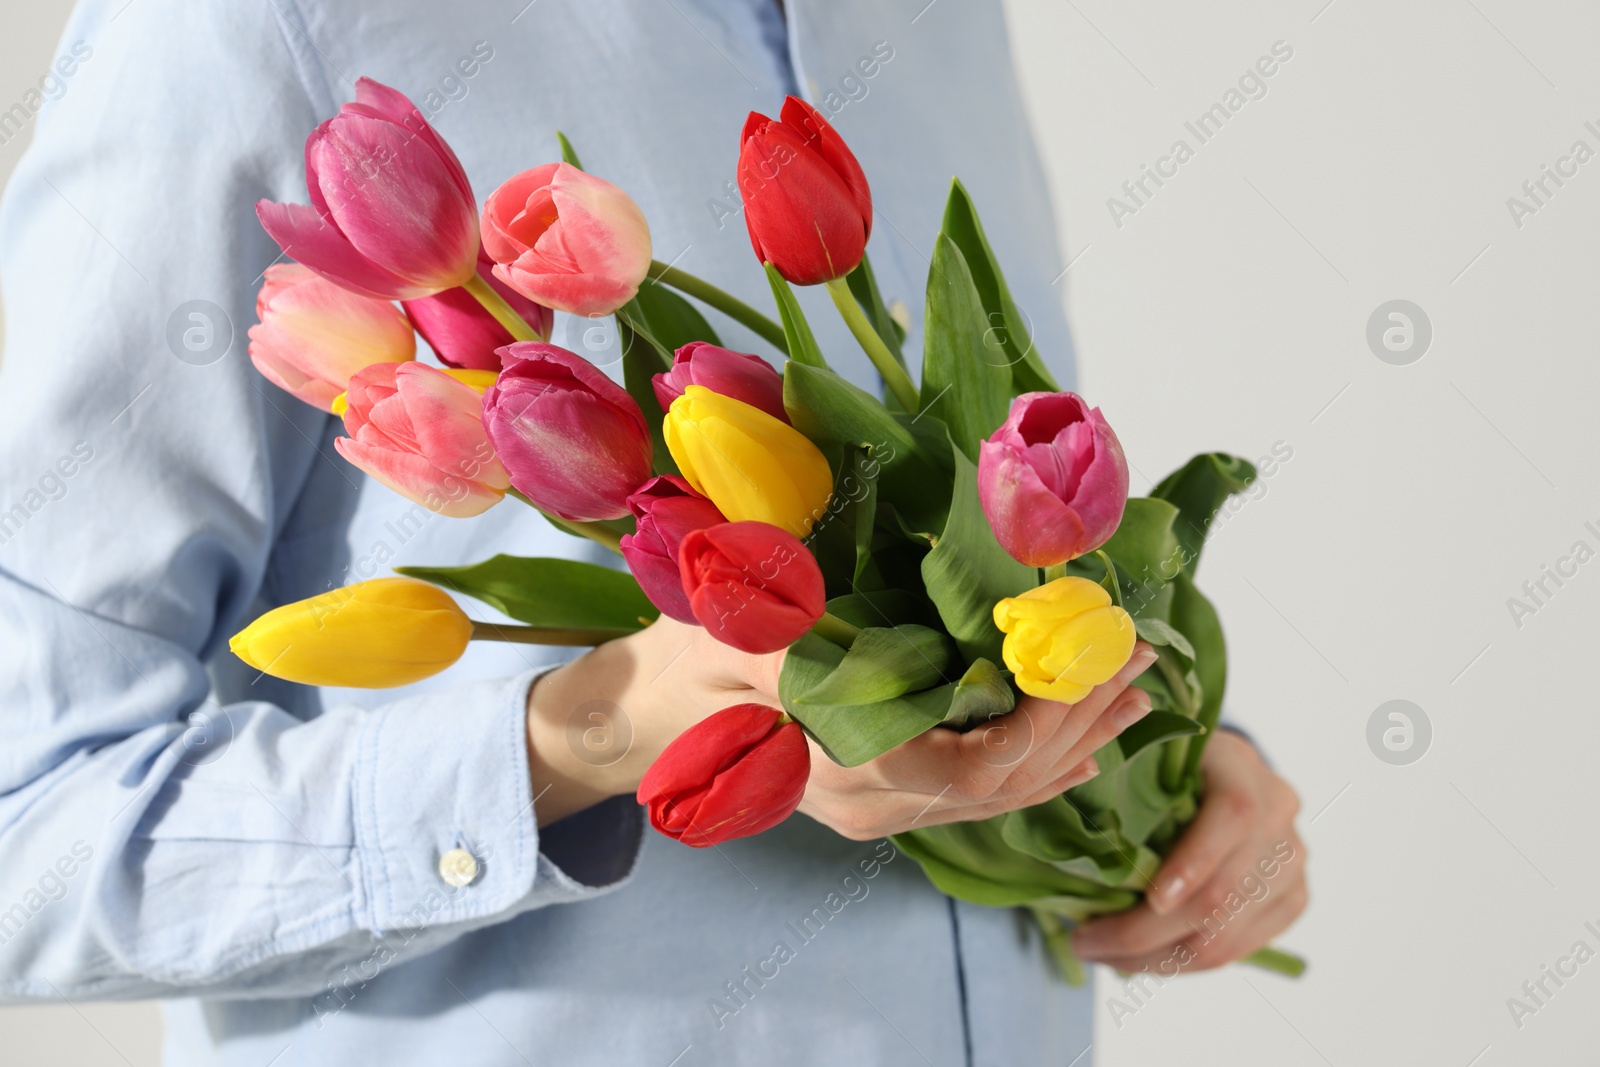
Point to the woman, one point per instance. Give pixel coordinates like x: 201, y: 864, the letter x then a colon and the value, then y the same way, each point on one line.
x: 449, y: 872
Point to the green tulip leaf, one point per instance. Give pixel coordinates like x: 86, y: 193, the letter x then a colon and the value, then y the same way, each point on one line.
x: 967, y: 572
x: 1197, y: 489
x: 885, y: 662
x: 971, y: 861
x: 1006, y: 325
x: 1193, y: 614
x: 842, y: 538
x: 796, y: 331
x: 913, y: 457
x: 1163, y: 634
x: 1154, y: 728
x: 1147, y: 555
x: 852, y: 733
x: 642, y: 360
x: 966, y: 377
x: 568, y: 154
x: 563, y: 593
x: 668, y: 318
x: 981, y: 694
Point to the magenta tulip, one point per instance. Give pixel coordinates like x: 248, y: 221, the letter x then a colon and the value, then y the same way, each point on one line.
x: 392, y: 215
x: 1052, y: 479
x: 461, y: 331
x: 314, y: 335
x: 666, y: 510
x: 420, y: 432
x: 567, y: 239
x: 737, y: 375
x: 573, y: 440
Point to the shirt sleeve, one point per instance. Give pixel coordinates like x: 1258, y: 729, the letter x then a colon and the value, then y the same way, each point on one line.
x: 152, y: 841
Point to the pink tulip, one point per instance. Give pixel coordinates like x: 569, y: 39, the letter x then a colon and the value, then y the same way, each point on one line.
x: 1052, y: 479
x: 736, y: 375
x: 420, y: 432
x: 573, y: 440
x: 666, y: 508
x: 462, y: 333
x: 313, y: 335
x: 567, y: 239
x: 392, y: 215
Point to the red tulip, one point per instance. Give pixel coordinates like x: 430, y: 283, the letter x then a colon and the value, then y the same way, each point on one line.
x: 461, y: 331
x: 567, y: 239
x: 806, y: 201
x: 392, y: 215
x: 737, y: 773
x: 419, y: 431
x: 666, y: 509
x: 751, y: 584
x: 314, y: 335
x: 574, y: 441
x: 1052, y: 479
x: 737, y: 375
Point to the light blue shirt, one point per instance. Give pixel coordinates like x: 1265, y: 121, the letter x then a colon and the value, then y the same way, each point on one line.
x: 174, y: 825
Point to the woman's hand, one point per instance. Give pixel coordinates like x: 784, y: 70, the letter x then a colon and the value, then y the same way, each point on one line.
x: 1234, y: 881
x: 1025, y: 757
x: 596, y: 724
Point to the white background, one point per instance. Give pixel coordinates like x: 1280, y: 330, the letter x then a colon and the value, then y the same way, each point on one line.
x: 1230, y: 311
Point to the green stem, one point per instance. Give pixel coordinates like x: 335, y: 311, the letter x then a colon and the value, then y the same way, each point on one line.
x: 1176, y: 753
x: 598, y: 532
x: 1277, y: 961
x: 1055, y: 571
x: 1058, y: 942
x: 496, y: 305
x: 724, y: 302
x: 894, y: 375
x: 836, y: 630
x: 568, y: 636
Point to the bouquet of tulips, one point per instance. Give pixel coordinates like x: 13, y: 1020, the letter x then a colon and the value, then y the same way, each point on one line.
x: 923, y: 558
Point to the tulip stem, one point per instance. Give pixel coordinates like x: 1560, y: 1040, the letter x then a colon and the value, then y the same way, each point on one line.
x: 568, y: 636
x: 1277, y: 961
x: 598, y: 532
x: 496, y: 305
x: 727, y: 303
x: 894, y: 375
x: 832, y: 628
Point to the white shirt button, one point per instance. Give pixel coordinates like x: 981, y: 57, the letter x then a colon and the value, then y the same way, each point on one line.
x: 458, y: 867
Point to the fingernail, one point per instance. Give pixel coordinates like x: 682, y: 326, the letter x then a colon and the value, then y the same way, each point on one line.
x: 1145, y: 657
x: 1082, y: 776
x: 1167, y: 895
x: 1136, y: 708
x: 1087, y: 941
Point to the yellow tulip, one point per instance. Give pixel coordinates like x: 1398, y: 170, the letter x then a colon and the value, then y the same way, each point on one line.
x: 371, y: 635
x: 1064, y: 638
x: 752, y: 466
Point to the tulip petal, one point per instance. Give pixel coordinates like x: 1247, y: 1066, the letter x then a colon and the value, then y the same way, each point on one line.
x: 306, y: 237
x: 414, y: 478
x: 375, y: 98
x: 396, y: 201
x: 447, y: 419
